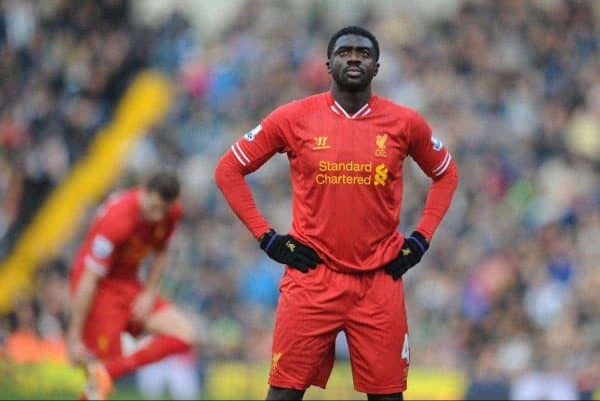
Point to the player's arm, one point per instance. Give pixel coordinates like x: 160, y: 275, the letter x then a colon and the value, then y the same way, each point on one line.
x: 86, y: 289
x: 143, y: 304
x: 156, y: 271
x: 435, y: 161
x: 160, y: 259
x: 244, y: 157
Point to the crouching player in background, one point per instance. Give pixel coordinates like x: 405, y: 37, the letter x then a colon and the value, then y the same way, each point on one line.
x: 107, y: 296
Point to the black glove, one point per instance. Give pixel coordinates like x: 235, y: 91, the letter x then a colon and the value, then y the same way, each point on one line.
x: 410, y: 254
x: 285, y: 249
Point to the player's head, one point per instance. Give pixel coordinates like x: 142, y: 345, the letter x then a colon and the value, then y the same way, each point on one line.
x: 159, y: 192
x: 352, y: 58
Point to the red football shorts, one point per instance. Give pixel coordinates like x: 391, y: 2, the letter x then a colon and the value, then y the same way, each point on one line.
x: 110, y: 315
x: 313, y: 307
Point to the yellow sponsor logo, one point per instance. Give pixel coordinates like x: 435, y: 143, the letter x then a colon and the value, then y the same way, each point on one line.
x: 405, y: 251
x: 321, y: 143
x: 327, y: 179
x: 102, y: 342
x: 380, y: 142
x: 337, y: 173
x: 325, y: 166
x: 350, y: 173
x: 381, y: 174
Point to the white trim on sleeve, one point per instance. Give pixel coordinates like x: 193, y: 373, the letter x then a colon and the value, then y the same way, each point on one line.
x: 95, y: 266
x: 238, y: 157
x: 443, y: 166
x: 237, y: 144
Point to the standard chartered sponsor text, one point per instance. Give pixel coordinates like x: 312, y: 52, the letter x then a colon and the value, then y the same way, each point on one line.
x: 342, y: 179
x: 326, y: 168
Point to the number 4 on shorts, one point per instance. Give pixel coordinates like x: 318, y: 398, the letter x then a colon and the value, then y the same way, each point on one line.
x: 406, y: 349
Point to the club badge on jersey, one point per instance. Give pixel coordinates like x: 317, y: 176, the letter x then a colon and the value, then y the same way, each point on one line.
x: 102, y: 247
x: 436, y: 143
x: 250, y: 135
x: 380, y: 142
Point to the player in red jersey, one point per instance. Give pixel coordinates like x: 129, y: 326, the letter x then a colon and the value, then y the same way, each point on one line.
x: 107, y: 296
x: 344, y: 255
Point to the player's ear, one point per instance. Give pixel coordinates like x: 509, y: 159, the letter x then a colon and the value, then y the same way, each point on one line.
x: 376, y: 69
x: 328, y: 66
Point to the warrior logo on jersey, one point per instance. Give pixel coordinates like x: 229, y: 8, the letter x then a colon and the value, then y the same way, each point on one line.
x: 380, y: 142
x: 436, y: 143
x: 321, y: 143
x: 249, y: 136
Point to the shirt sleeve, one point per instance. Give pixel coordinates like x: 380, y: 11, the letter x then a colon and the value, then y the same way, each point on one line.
x: 112, y: 230
x: 435, y: 160
x: 258, y: 145
x: 245, y: 156
x: 427, y: 150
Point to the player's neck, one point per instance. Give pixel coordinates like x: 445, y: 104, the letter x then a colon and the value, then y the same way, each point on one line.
x: 351, y: 101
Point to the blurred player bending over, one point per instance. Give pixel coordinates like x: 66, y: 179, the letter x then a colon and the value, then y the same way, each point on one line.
x: 107, y: 296
x: 345, y: 258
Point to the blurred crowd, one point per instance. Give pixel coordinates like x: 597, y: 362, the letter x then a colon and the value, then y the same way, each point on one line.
x: 507, y: 293
x: 63, y: 65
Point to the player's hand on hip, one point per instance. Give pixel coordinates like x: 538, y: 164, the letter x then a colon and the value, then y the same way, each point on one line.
x: 142, y: 306
x: 413, y: 249
x: 285, y: 249
x: 76, y: 350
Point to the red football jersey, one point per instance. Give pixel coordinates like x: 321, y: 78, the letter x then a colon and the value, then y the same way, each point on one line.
x: 346, y: 173
x: 119, y: 237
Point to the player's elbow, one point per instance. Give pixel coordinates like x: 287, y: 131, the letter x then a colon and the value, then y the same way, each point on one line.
x: 218, y: 174
x: 223, y: 171
x: 453, y: 173
x: 450, y: 176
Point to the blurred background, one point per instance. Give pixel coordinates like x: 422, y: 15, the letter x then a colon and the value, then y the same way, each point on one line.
x: 504, y: 306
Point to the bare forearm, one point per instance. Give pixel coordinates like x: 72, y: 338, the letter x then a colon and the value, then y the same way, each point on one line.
x: 81, y: 304
x: 156, y: 271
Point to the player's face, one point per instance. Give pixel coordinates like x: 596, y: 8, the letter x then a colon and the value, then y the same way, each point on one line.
x: 352, y: 64
x: 154, y: 207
